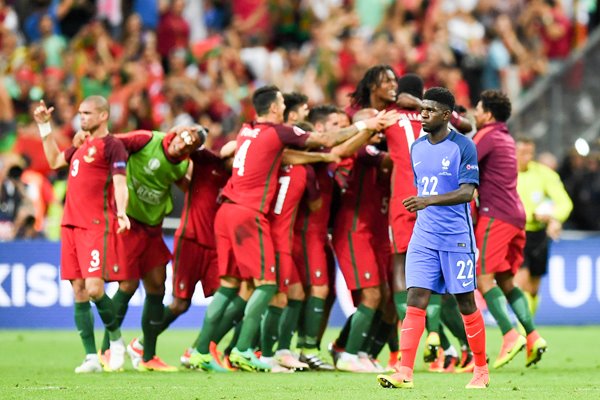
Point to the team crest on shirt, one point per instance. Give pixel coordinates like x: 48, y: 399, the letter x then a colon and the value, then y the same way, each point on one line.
x: 153, y: 165
x: 115, y: 268
x: 318, y: 273
x: 91, y: 152
x: 367, y: 275
x: 272, y: 268
x: 181, y: 285
x: 445, y: 163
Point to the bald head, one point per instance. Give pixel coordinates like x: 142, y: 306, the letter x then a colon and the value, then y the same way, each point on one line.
x: 99, y: 102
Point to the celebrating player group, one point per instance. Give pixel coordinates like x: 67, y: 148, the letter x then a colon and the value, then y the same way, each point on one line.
x: 393, y: 190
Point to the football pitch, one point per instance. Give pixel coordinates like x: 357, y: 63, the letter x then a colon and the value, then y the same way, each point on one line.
x: 39, y: 365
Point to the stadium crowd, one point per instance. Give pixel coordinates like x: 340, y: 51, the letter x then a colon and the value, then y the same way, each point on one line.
x: 162, y: 63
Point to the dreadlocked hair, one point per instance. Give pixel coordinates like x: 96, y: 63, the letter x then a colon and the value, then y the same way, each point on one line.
x: 361, y: 96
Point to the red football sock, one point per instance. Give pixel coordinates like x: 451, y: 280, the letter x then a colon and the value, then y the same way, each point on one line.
x: 475, y: 329
x: 410, y: 335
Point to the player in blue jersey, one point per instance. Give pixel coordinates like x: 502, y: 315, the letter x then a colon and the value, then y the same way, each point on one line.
x: 441, y: 253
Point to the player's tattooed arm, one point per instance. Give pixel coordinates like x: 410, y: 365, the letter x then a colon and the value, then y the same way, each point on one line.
x: 295, y: 157
x: 463, y: 194
x: 330, y: 139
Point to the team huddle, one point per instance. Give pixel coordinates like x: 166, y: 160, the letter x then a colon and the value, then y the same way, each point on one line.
x: 416, y: 214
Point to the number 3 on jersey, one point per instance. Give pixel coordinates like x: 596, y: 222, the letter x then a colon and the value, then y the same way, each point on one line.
x: 240, y: 157
x: 75, y: 168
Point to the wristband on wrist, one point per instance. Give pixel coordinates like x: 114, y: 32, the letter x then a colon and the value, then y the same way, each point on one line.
x: 360, y: 125
x: 45, y: 129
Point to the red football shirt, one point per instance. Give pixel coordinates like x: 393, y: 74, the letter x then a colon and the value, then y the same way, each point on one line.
x: 361, y: 200
x: 317, y: 221
x: 497, y: 158
x: 200, y: 206
x: 400, y: 138
x: 257, y: 160
x: 90, y: 200
x: 293, y: 181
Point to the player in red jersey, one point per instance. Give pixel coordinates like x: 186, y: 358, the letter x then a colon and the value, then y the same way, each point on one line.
x: 94, y: 212
x: 244, y: 242
x: 500, y: 228
x: 353, y: 241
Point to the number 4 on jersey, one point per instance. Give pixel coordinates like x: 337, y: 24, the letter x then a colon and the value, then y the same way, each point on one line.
x: 240, y: 157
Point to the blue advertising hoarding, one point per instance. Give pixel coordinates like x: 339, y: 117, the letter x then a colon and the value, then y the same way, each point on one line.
x: 32, y: 295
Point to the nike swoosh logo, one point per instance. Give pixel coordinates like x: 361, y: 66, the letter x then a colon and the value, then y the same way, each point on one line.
x: 417, y: 163
x: 318, y: 310
x: 465, y: 284
x: 155, y: 322
x: 473, y: 335
x: 93, y: 269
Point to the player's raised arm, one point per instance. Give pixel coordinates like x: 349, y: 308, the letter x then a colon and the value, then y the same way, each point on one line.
x: 463, y: 194
x: 330, y: 139
x: 296, y: 157
x: 41, y: 115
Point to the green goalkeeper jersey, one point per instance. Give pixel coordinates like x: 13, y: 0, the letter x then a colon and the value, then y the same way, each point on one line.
x: 149, y: 178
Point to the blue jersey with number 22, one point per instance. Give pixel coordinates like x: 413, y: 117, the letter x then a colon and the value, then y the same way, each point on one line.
x: 441, y: 168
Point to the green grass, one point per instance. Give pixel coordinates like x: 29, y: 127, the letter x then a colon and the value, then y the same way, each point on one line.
x: 39, y: 364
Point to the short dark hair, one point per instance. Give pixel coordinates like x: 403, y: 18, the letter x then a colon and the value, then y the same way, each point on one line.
x: 263, y: 97
x: 305, y: 126
x: 440, y: 95
x: 292, y: 102
x: 320, y: 113
x: 497, y: 103
x: 411, y: 84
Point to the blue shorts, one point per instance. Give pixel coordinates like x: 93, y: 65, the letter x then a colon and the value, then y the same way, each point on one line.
x: 440, y: 271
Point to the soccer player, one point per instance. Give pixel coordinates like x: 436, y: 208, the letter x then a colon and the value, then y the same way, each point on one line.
x: 310, y: 241
x: 499, y: 228
x: 244, y: 244
x: 547, y: 205
x: 195, y: 255
x: 354, y: 245
x: 94, y: 212
x: 441, y: 252
x: 156, y: 161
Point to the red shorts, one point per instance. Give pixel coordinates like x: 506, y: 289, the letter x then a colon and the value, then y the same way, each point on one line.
x: 500, y: 246
x: 287, y: 273
x: 87, y: 253
x: 141, y: 249
x: 383, y: 255
x: 402, y: 223
x: 310, y: 258
x: 193, y: 263
x: 244, y: 245
x: 357, y: 259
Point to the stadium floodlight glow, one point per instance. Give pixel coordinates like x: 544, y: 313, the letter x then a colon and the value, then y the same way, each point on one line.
x: 582, y: 147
